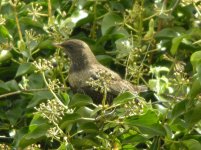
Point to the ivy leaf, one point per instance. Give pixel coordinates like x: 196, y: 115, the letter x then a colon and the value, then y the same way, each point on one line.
x: 80, y: 100
x: 23, y: 69
x: 193, y: 115
x: 147, y: 124
x: 192, y: 144
x: 37, y: 131
x: 123, y: 98
x: 175, y: 44
x: 111, y: 19
x: 195, y: 59
x: 4, y: 32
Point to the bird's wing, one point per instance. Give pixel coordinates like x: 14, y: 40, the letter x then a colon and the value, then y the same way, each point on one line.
x: 116, y: 84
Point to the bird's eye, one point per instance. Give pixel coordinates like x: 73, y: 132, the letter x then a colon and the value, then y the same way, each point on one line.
x: 70, y: 46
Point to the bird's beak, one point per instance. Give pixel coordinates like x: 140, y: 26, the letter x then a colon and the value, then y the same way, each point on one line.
x: 58, y: 45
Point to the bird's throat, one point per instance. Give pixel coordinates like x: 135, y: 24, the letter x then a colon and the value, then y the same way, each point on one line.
x: 82, y: 62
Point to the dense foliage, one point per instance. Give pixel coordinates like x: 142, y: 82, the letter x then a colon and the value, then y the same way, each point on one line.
x: 156, y: 43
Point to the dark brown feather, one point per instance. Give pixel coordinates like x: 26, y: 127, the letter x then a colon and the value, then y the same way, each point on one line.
x: 85, y: 66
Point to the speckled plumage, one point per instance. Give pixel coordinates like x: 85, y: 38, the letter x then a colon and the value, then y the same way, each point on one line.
x: 84, y: 66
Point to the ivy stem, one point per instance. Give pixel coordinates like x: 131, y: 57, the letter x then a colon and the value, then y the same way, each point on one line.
x: 0, y: 5
x: 49, y: 11
x: 14, y: 5
x: 93, y: 29
x: 104, y: 97
x: 55, y: 96
x: 72, y: 6
x: 27, y: 91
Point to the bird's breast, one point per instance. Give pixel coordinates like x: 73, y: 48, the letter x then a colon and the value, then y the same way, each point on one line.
x: 78, y: 79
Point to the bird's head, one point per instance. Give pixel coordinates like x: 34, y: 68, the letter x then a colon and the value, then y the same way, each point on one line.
x: 74, y: 47
x: 79, y: 52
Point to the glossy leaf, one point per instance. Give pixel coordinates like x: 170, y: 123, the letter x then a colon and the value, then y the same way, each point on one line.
x: 80, y: 100
x: 4, y: 33
x: 178, y: 110
x: 175, y: 44
x: 123, y: 98
x: 193, y: 115
x: 192, y: 144
x: 195, y: 58
x: 111, y: 19
x: 23, y: 69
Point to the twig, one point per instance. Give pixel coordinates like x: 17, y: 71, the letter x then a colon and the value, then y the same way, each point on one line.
x: 10, y: 94
x: 27, y: 91
x: 0, y: 5
x: 49, y: 11
x: 93, y: 29
x: 14, y: 5
x: 72, y: 7
x: 55, y: 96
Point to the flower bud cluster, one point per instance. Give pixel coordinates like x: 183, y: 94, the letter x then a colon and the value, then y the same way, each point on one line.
x: 35, y: 11
x: 54, y: 133
x: 42, y: 65
x: 53, y: 111
x: 100, y: 81
x: 133, y: 107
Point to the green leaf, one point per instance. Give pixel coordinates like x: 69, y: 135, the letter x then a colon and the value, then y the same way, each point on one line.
x: 12, y: 85
x: 4, y: 88
x: 27, y: 21
x: 23, y: 69
x: 68, y: 119
x: 195, y: 88
x: 38, y: 97
x: 8, y: 72
x: 134, y: 138
x: 37, y: 120
x: 105, y: 59
x: 64, y: 97
x: 192, y: 144
x: 198, y: 69
x: 85, y: 143
x: 19, y: 136
x: 36, y: 81
x: 4, y: 32
x: 37, y: 131
x: 193, y: 115
x: 66, y: 146
x: 166, y: 33
x: 155, y: 144
x: 5, y: 55
x: 175, y: 44
x: 14, y: 114
x: 111, y: 19
x: 78, y: 15
x: 152, y: 130
x: 178, y: 110
x: 79, y: 100
x: 146, y: 119
x: 84, y: 111
x: 90, y: 127
x: 195, y: 58
x: 147, y: 123
x: 123, y: 98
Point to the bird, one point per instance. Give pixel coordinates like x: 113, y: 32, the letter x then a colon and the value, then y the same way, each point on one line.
x: 85, y: 67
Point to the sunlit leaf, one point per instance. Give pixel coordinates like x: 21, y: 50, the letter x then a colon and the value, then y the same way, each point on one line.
x: 192, y: 144
x: 123, y: 98
x: 80, y: 100
x: 111, y: 19
x: 195, y: 58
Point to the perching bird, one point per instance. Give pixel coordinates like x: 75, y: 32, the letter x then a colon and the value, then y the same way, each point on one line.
x: 85, y: 67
